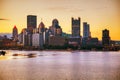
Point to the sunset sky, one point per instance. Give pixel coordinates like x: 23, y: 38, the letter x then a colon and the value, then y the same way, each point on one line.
x: 100, y: 14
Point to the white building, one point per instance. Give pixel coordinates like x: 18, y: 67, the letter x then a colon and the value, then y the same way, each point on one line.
x: 37, y: 40
x: 24, y: 37
x: 46, y: 36
x: 20, y: 38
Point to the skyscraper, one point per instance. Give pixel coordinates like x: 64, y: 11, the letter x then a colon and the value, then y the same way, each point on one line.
x: 75, y: 39
x: 76, y: 27
x: 31, y: 23
x: 55, y: 29
x: 41, y: 27
x: 86, y: 30
x: 37, y: 40
x: 15, y: 33
x: 105, y: 37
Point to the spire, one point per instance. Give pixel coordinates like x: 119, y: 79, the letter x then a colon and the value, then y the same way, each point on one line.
x: 15, y: 26
x: 41, y: 25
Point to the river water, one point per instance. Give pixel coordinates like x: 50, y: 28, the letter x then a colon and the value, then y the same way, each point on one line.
x: 60, y: 65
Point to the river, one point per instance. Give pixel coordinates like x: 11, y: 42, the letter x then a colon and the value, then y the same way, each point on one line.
x: 60, y: 65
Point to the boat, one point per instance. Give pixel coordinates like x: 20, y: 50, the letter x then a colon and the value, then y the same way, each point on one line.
x: 2, y: 53
x: 31, y: 55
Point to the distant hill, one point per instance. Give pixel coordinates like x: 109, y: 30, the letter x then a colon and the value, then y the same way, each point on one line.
x: 9, y: 35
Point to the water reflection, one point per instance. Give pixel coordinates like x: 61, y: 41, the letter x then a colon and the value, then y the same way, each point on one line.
x: 55, y: 65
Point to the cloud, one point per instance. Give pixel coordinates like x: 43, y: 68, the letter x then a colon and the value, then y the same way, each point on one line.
x: 57, y: 8
x: 3, y: 19
x: 64, y: 8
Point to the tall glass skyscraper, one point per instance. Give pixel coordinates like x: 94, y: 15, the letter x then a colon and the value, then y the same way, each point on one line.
x: 86, y: 30
x: 31, y: 23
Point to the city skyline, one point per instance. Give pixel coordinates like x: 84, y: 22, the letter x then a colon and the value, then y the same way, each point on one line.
x: 100, y: 14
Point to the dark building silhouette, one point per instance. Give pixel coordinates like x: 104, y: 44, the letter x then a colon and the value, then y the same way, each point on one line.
x: 93, y: 41
x: 86, y: 33
x: 105, y: 37
x: 31, y: 23
x: 86, y: 30
x: 76, y: 27
x: 15, y: 33
x: 75, y: 39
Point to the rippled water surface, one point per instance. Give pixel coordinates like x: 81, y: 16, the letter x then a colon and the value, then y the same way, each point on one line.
x: 59, y: 65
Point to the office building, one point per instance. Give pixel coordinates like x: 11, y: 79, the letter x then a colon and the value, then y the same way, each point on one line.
x: 105, y: 37
x: 86, y: 34
x: 15, y: 33
x: 37, y: 40
x: 31, y: 23
x: 76, y: 27
x: 41, y: 27
x: 46, y: 36
x: 25, y: 37
x: 56, y: 40
x: 55, y: 29
x: 75, y: 39
x: 86, y: 30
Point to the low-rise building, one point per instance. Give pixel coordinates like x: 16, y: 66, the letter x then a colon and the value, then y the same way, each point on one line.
x: 56, y: 40
x: 74, y: 41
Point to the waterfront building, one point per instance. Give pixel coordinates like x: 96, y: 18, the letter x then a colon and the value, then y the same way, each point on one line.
x: 37, y: 40
x: 31, y: 23
x: 41, y: 27
x: 86, y: 34
x: 7, y: 43
x: 56, y: 40
x: 29, y: 39
x: 20, y: 38
x: 25, y: 37
x: 74, y: 41
x: 105, y: 37
x: 55, y: 29
x: 38, y: 36
x: 15, y: 33
x: 76, y: 27
x: 86, y: 30
x: 46, y: 36
x: 75, y: 38
x: 93, y: 41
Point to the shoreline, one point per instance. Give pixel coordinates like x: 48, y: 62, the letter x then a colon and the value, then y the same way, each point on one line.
x: 63, y: 50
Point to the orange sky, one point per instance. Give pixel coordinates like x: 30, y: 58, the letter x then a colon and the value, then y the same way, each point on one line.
x: 100, y: 14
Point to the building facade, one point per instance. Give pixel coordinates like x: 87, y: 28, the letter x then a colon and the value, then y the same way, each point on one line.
x: 86, y: 30
x: 25, y: 37
x: 55, y: 29
x: 41, y: 27
x: 15, y: 33
x: 37, y: 40
x: 75, y: 39
x: 56, y: 40
x: 76, y: 27
x: 86, y: 34
x: 105, y: 38
x: 38, y: 36
x: 31, y: 23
